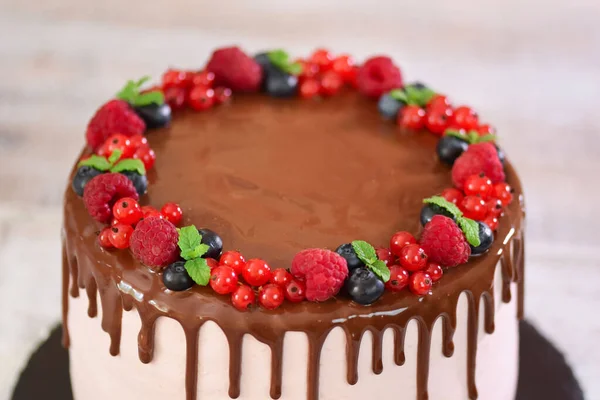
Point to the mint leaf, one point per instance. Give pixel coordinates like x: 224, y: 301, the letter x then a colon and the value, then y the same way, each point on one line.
x: 473, y: 136
x: 198, y: 270
x: 398, y: 94
x: 418, y: 96
x: 486, y: 138
x: 471, y: 230
x: 445, y: 204
x: 130, y: 164
x: 196, y: 252
x: 365, y: 252
x: 278, y: 57
x: 294, y: 69
x: 131, y: 93
x: 114, y: 156
x: 142, y: 81
x: 457, y: 134
x: 127, y: 93
x: 381, y: 270
x: 97, y: 162
x: 156, y: 97
x: 189, y: 240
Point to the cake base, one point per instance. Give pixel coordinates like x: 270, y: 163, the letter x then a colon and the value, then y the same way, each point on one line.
x: 543, y: 371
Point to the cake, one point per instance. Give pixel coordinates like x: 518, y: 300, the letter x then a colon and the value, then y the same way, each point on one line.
x: 281, y: 176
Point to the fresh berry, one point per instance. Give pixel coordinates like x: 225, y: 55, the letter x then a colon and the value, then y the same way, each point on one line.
x: 176, y: 278
x: 120, y: 235
x: 114, y: 116
x: 104, y: 238
x: 473, y: 207
x: 437, y: 120
x: 223, y: 95
x: 399, y: 240
x: 322, y: 58
x: 363, y: 286
x: 281, y: 277
x: 243, y: 298
x: 494, y: 207
x: 389, y: 107
x: 411, y: 117
x: 485, y: 129
x: 479, y: 158
x: 429, y: 210
x: 444, y: 242
x: 140, y: 182
x: 263, y: 60
x: 352, y: 78
x: 280, y: 84
x: 201, y: 98
x: 172, y: 213
x: 503, y: 192
x: 174, y: 78
x: 453, y: 195
x: 323, y: 272
x: 331, y: 83
x: 343, y: 65
x: 478, y: 185
x: 214, y: 242
x: 203, y: 78
x: 492, y: 222
x: 309, y: 88
x: 154, y: 115
x: 449, y: 148
x: 385, y: 255
x: 149, y: 211
x: 146, y: 155
x: 83, y: 175
x: 295, y: 291
x: 256, y: 272
x: 154, y: 242
x: 435, y: 271
x: 271, y: 296
x: 102, y: 191
x: 212, y: 263
x: 235, y: 69
x: 127, y: 211
x: 119, y: 142
x: 420, y: 283
x: 413, y: 257
x: 486, y: 238
x: 398, y: 278
x: 378, y: 75
x: 438, y: 102
x: 233, y: 259
x: 114, y: 222
x: 465, y: 118
x: 175, y: 98
x: 223, y: 279
x: 347, y: 251
x: 138, y: 141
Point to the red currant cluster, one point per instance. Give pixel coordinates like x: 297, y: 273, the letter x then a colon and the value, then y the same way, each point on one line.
x: 324, y: 74
x: 192, y: 89
x: 136, y: 147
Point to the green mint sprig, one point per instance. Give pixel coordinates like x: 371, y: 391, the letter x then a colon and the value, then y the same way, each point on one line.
x: 367, y: 254
x: 281, y: 59
x: 131, y: 93
x: 112, y: 163
x: 413, y: 95
x: 469, y: 227
x: 471, y: 137
x: 192, y: 250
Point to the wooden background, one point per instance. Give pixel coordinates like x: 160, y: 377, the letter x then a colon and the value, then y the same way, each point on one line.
x: 532, y: 68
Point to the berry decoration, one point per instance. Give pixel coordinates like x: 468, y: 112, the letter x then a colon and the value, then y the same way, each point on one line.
x: 233, y: 259
x: 367, y: 254
x: 486, y: 238
x: 449, y: 148
x: 213, y: 241
x: 323, y: 272
x: 389, y: 107
x: 413, y: 258
x: 223, y: 280
x: 377, y: 76
x: 102, y: 191
x: 243, y: 298
x: 235, y: 69
x: 176, y: 278
x: 435, y: 271
x: 399, y: 240
x: 172, y: 213
x: 127, y: 211
x: 104, y: 238
x: 363, y: 286
x: 270, y: 296
x: 295, y: 291
x: 281, y: 277
x: 479, y: 158
x: 114, y: 116
x: 154, y: 242
x: 256, y: 272
x: 420, y: 283
x: 82, y: 176
x: 347, y: 251
x: 398, y: 279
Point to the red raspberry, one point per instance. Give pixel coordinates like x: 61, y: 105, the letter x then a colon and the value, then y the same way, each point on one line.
x: 235, y: 69
x: 398, y: 279
x: 103, y: 191
x: 154, y: 242
x: 114, y: 116
x: 453, y: 195
x: 377, y: 76
x: 243, y: 298
x: 479, y: 158
x: 323, y: 272
x: 444, y: 242
x: 295, y: 291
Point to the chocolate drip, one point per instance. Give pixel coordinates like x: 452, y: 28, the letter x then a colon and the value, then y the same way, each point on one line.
x: 235, y: 363
x: 146, y: 336
x: 490, y: 311
x: 276, y: 367
x: 472, y: 331
x: 399, y: 335
x: 66, y: 275
x: 91, y: 291
x: 352, y: 352
x: 377, y: 363
x: 423, y: 351
x: 191, y: 361
x: 449, y: 327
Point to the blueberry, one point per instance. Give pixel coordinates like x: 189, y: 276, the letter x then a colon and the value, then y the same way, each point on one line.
x: 449, y: 148
x: 263, y: 60
x: 154, y: 115
x: 429, y: 210
x: 418, y: 85
x: 213, y: 241
x: 501, y: 154
x: 363, y: 286
x: 176, y: 278
x: 486, y: 236
x: 389, y: 107
x: 280, y: 84
x: 140, y: 182
x: 347, y: 251
x: 83, y: 175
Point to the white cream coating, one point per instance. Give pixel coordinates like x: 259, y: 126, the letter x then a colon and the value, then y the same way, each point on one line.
x: 96, y: 375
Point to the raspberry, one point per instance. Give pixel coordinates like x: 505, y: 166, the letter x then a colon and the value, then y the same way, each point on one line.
x: 377, y: 76
x: 323, y: 272
x: 235, y: 69
x: 154, y: 242
x: 116, y: 116
x: 444, y: 242
x: 103, y: 191
x: 480, y: 158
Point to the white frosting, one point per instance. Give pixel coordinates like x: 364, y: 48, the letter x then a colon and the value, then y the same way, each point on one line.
x: 96, y: 375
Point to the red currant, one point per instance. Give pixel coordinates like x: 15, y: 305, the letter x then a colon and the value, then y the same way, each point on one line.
x: 411, y: 117
x: 504, y: 192
x: 322, y: 58
x: 435, y: 271
x: 243, y: 298
x: 453, y: 195
x: 398, y: 278
x: 149, y: 211
x: 120, y: 235
x: 473, y: 207
x: 175, y: 97
x: 494, y: 207
x: 117, y: 142
x: 399, y: 240
x: 223, y: 279
x: 492, y: 222
x: 309, y: 69
x: 172, y: 213
x: 344, y: 66
x: 295, y: 291
x: 420, y: 283
x: 437, y: 120
x: 114, y: 222
x: 309, y: 88
x: 256, y: 272
x: 203, y: 78
x: 104, y: 238
x: 478, y: 185
x: 386, y: 256
x: 212, y: 263
x: 438, y: 102
x: 201, y: 98
x: 413, y: 257
x: 223, y: 95
x: 146, y: 155
x: 233, y: 259
x: 271, y: 296
x: 174, y: 78
x: 281, y: 277
x: 127, y: 211
x: 138, y: 141
x: 486, y: 129
x: 353, y: 77
x: 331, y: 83
x: 465, y: 118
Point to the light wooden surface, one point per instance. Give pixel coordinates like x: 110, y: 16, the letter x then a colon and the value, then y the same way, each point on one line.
x: 532, y: 68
